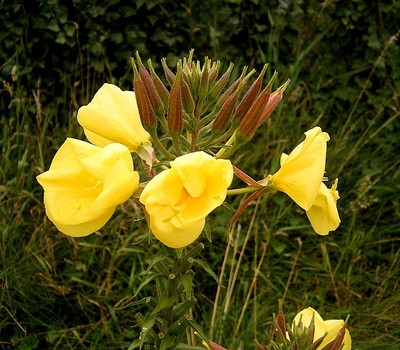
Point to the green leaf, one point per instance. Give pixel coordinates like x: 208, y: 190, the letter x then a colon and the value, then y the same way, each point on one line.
x: 187, y: 283
x: 163, y: 303
x: 149, y: 278
x: 207, y: 268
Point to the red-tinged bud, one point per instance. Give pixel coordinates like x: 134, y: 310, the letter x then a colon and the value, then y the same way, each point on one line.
x: 204, y: 79
x: 187, y: 99
x: 281, y: 325
x: 337, y: 342
x: 146, y: 111
x: 249, y: 125
x: 241, y: 81
x: 175, y: 118
x: 249, y: 97
x: 151, y: 91
x: 221, y: 121
x: 221, y: 83
x: 273, y: 102
x: 159, y: 85
x: 214, y: 72
x: 168, y: 73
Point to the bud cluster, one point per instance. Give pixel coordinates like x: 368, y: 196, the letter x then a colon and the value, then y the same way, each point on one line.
x: 199, y: 107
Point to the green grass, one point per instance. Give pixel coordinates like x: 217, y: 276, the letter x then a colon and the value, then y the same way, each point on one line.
x: 58, y: 292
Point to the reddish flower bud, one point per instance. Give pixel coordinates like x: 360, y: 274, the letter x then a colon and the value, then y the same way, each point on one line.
x: 221, y: 83
x: 168, y: 73
x: 221, y: 121
x: 187, y: 99
x: 159, y: 85
x: 146, y: 111
x: 273, y: 102
x: 248, y: 126
x: 151, y: 91
x: 204, y: 79
x: 175, y: 118
x: 249, y: 97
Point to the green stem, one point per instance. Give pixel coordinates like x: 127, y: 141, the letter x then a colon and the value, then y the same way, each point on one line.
x: 270, y: 188
x: 175, y: 141
x: 160, y: 146
x: 243, y: 190
x: 222, y: 152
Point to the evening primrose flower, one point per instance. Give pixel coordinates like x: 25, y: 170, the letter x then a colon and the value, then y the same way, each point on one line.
x: 179, y: 199
x: 329, y: 328
x: 84, y: 185
x: 301, y: 172
x: 300, y: 177
x: 323, y: 214
x: 113, y: 116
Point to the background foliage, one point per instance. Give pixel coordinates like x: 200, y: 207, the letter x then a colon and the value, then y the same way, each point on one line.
x: 343, y: 59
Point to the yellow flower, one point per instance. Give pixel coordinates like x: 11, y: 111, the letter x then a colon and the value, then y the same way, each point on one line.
x: 301, y: 172
x: 329, y: 327
x: 323, y: 214
x: 84, y: 185
x: 113, y: 116
x: 179, y: 199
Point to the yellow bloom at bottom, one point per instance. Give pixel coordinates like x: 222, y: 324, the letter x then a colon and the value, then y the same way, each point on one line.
x: 329, y: 328
x: 179, y: 199
x: 84, y: 185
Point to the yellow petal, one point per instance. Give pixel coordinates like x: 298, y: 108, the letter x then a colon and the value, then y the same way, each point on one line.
x: 179, y: 199
x: 113, y: 117
x: 84, y: 185
x: 302, y: 170
x: 172, y: 236
x: 306, y: 316
x: 323, y: 214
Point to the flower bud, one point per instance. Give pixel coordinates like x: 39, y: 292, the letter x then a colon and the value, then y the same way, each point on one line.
x: 204, y: 79
x: 146, y: 111
x: 175, y: 118
x: 273, y: 102
x: 216, y: 90
x: 151, y: 91
x: 159, y: 85
x: 248, y: 126
x: 187, y: 99
x: 213, y: 73
x: 168, y: 73
x: 250, y: 97
x: 221, y: 121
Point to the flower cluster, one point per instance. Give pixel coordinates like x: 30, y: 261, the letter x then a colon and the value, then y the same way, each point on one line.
x: 195, y: 122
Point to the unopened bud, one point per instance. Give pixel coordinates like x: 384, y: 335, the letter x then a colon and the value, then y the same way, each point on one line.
x: 146, y: 111
x: 239, y: 83
x: 250, y: 97
x: 175, y: 118
x: 151, y: 91
x: 187, y: 99
x: 273, y: 102
x: 204, y: 79
x: 213, y: 73
x: 248, y: 126
x: 168, y: 73
x: 336, y: 344
x: 221, y: 121
x: 159, y: 85
x: 221, y: 83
